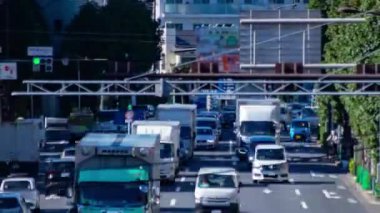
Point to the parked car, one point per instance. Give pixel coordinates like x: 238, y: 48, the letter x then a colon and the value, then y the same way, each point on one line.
x: 25, y: 186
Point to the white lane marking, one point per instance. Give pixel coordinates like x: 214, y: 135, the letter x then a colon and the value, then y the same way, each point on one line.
x: 330, y: 195
x: 178, y: 189
x: 351, y: 200
x: 304, y: 205
x: 183, y: 179
x: 291, y: 180
x: 267, y: 191
x: 316, y: 175
x: 341, y: 187
x: 333, y: 176
x: 297, y: 191
x: 172, y: 202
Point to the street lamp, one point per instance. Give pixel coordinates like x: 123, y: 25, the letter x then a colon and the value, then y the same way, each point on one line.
x: 353, y: 10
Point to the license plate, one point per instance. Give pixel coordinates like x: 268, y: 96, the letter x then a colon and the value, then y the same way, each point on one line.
x: 65, y: 174
x: 216, y: 211
x: 298, y: 137
x: 271, y: 174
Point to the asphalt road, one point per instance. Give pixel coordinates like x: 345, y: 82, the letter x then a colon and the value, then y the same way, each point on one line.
x: 316, y: 185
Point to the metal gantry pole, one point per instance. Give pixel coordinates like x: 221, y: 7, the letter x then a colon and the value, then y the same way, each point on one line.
x: 78, y: 73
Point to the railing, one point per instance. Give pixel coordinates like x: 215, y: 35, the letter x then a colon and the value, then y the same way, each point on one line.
x: 202, y: 9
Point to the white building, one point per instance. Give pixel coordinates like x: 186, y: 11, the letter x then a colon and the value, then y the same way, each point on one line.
x: 179, y: 18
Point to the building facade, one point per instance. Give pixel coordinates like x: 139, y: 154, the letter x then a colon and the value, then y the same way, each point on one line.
x: 180, y: 19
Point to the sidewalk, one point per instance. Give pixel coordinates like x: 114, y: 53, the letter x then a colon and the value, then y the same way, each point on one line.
x: 365, y: 196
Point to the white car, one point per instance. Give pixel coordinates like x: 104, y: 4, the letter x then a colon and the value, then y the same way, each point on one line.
x: 270, y: 164
x: 25, y: 186
x: 205, y: 138
x: 217, y: 189
x: 68, y: 153
x: 13, y: 203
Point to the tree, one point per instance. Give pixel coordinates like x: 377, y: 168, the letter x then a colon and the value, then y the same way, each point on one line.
x: 346, y: 44
x: 122, y: 30
x: 21, y: 25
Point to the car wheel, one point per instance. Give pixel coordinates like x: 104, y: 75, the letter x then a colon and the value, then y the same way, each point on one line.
x: 36, y: 210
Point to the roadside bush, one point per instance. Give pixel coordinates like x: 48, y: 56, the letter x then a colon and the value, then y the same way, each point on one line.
x: 352, y: 167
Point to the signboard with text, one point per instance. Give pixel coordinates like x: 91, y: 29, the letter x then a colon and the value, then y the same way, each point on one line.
x: 8, y: 71
x: 40, y: 51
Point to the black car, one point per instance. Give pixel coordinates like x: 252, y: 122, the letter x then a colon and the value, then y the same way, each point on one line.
x: 59, y: 176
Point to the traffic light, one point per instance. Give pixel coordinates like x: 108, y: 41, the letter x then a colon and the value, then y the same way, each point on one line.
x: 129, y: 107
x: 44, y: 64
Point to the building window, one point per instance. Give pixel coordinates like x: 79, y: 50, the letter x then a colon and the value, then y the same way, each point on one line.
x: 225, y: 1
x: 201, y: 1
x: 174, y: 26
x: 173, y: 1
x: 277, y: 1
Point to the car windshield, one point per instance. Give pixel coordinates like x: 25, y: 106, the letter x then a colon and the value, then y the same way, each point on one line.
x: 211, y: 124
x: 216, y: 181
x: 257, y: 128
x: 57, y: 134
x: 300, y: 124
x: 166, y: 150
x: 270, y: 154
x: 111, y: 194
x: 16, y: 185
x: 204, y: 131
x: 308, y: 113
x: 9, y: 203
x: 185, y: 132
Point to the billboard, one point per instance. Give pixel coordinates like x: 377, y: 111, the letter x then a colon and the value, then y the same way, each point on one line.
x: 217, y: 48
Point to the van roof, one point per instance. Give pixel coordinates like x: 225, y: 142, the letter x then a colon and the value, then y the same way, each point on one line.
x: 178, y: 106
x: 161, y: 123
x: 120, y: 140
x: 269, y: 146
x: 217, y: 170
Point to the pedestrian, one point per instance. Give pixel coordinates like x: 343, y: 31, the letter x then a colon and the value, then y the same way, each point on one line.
x: 332, y: 141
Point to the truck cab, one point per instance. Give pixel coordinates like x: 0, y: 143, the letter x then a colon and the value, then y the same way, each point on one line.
x: 117, y: 173
x: 299, y: 130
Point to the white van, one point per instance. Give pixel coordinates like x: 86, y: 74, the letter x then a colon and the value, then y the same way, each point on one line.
x: 217, y: 189
x: 270, y: 164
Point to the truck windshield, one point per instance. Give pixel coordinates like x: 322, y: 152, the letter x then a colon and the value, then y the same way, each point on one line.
x: 166, y: 150
x: 211, y: 124
x: 204, y: 131
x: 111, y: 194
x: 270, y: 154
x: 57, y: 134
x: 257, y: 128
x: 185, y: 132
x: 216, y: 181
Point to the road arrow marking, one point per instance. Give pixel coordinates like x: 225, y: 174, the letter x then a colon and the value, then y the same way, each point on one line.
x: 267, y: 191
x: 172, y: 202
x: 304, y: 205
x: 316, y: 175
x: 297, y: 191
x: 351, y: 200
x: 333, y: 176
x: 341, y: 187
x: 330, y: 195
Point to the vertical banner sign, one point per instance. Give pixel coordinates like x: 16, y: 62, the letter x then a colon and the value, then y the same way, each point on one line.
x: 8, y: 71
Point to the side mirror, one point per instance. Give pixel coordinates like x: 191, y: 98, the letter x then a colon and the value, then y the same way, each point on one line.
x: 69, y: 202
x: 29, y: 204
x: 240, y: 184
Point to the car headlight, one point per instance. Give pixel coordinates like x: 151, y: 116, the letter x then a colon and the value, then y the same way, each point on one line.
x: 197, y: 200
x: 210, y: 141
x: 50, y: 176
x: 250, y: 158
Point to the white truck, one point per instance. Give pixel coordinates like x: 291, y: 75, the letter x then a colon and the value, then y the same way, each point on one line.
x: 169, y: 132
x: 257, y: 122
x: 20, y: 143
x: 186, y: 115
